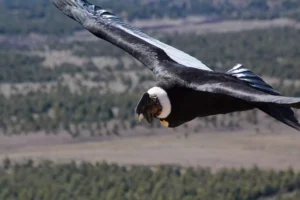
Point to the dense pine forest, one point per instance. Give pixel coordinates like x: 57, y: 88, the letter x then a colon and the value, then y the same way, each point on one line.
x: 48, y: 181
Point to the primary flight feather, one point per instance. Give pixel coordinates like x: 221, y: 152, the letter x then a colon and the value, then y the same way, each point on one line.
x: 185, y: 88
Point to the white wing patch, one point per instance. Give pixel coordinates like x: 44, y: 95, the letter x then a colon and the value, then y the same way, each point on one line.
x: 175, y: 54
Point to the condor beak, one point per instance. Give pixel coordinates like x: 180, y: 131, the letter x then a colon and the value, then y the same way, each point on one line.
x: 148, y: 116
x: 140, y: 117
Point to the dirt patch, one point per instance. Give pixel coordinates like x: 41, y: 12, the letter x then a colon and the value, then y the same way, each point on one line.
x: 57, y: 58
x: 210, y: 148
x: 9, y: 89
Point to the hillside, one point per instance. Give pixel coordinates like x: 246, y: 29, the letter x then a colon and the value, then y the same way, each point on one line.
x: 68, y: 128
x: 40, y: 16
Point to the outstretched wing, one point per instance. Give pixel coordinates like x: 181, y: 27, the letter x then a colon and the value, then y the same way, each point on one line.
x: 246, y: 93
x: 105, y: 25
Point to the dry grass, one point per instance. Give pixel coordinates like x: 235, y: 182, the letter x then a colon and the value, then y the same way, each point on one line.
x: 57, y: 58
x: 213, y: 149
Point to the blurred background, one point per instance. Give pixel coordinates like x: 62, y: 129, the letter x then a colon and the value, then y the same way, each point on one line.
x: 68, y: 129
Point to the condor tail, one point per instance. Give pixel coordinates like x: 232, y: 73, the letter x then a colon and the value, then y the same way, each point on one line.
x: 281, y: 112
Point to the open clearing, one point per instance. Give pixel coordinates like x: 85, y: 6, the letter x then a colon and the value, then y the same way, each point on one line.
x: 212, y: 149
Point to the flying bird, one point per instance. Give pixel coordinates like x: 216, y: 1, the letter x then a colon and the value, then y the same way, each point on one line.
x: 185, y: 87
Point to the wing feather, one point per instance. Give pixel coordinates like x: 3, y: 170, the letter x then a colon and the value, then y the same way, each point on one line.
x: 246, y: 93
x: 105, y: 25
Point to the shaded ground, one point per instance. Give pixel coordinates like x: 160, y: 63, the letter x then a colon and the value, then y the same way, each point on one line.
x: 216, y: 149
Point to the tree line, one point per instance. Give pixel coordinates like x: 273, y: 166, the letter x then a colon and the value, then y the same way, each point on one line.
x: 40, y: 16
x: 46, y: 180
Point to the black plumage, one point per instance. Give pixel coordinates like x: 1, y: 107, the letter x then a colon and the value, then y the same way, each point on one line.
x: 192, y: 89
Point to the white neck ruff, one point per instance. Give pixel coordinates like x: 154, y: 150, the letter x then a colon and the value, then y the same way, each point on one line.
x: 164, y: 101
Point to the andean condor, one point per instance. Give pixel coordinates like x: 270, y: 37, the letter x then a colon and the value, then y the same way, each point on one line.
x: 185, y: 88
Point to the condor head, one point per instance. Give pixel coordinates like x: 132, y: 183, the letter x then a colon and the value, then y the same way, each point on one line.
x: 148, y: 107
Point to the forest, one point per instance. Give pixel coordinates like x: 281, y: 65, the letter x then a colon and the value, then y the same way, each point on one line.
x: 38, y: 15
x: 48, y: 181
